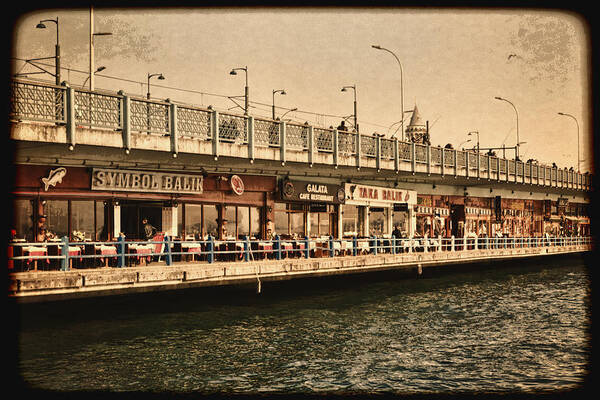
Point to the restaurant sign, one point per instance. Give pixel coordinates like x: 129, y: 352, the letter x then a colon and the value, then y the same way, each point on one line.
x: 145, y: 181
x: 363, y: 194
x: 294, y: 190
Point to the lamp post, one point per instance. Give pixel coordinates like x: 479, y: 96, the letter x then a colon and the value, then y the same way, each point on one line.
x: 246, y: 89
x: 160, y: 77
x: 466, y: 141
x: 57, y: 48
x: 401, y: 86
x: 577, y: 123
x: 353, y: 87
x: 92, y: 34
x: 477, y: 139
x: 517, y: 114
x: 282, y: 91
x: 289, y: 111
x: 99, y: 69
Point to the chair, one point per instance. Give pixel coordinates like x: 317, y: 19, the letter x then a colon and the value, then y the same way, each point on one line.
x: 158, y: 247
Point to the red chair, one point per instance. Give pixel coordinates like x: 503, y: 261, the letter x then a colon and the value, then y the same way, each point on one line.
x: 158, y: 247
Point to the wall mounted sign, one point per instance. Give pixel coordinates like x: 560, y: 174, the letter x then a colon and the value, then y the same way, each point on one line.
x: 145, y: 181
x: 237, y: 185
x: 55, y: 176
x: 294, y: 190
x: 365, y: 195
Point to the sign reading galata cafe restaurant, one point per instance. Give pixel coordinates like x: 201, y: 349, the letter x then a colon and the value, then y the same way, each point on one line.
x: 148, y: 181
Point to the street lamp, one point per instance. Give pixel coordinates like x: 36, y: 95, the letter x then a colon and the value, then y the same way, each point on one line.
x: 160, y: 77
x: 577, y: 123
x: 477, y: 139
x: 466, y: 141
x: 517, y: 114
x: 401, y: 86
x: 353, y: 87
x: 282, y: 91
x: 246, y: 90
x: 57, y: 48
x: 92, y: 34
x: 289, y: 111
x: 99, y: 69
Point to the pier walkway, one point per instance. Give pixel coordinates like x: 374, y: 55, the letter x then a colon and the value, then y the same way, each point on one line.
x: 127, y: 274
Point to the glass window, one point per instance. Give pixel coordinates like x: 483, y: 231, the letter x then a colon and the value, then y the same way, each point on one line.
x: 255, y: 222
x: 22, y: 222
x: 297, y: 223
x: 193, y: 221
x: 281, y: 222
x: 400, y: 220
x: 350, y: 220
x: 210, y: 220
x: 378, y: 221
x: 230, y: 223
x: 243, y: 221
x: 82, y: 219
x: 100, y: 233
x: 58, y: 217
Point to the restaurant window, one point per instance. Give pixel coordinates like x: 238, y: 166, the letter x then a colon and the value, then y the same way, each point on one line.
x: 230, y: 222
x: 320, y: 219
x: 243, y: 222
x: 289, y: 219
x: 255, y: 222
x: 82, y: 219
x: 101, y: 232
x: 400, y: 219
x: 422, y: 225
x: 350, y: 220
x: 193, y: 221
x: 378, y: 221
x: 210, y: 216
x: 58, y: 217
x: 22, y: 221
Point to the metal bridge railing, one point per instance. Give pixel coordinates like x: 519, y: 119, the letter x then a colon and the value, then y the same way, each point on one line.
x: 77, y: 108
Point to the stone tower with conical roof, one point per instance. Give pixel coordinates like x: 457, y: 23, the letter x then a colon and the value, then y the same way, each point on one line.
x: 416, y: 131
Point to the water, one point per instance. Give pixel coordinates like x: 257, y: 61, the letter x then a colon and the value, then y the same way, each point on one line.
x: 509, y: 328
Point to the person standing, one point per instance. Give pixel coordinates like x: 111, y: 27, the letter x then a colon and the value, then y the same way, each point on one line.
x: 149, y: 230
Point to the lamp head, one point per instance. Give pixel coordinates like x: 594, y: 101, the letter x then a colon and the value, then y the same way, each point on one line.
x: 161, y: 77
x: 40, y: 26
x: 343, y: 89
x: 233, y: 72
x: 376, y: 46
x: 498, y: 98
x: 101, y: 69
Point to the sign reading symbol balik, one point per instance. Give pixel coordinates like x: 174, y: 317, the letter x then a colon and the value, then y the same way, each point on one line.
x: 55, y: 176
x: 237, y: 185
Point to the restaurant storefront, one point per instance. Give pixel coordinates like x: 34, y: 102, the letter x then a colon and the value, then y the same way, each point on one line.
x: 306, y: 208
x: 375, y: 211
x: 100, y: 204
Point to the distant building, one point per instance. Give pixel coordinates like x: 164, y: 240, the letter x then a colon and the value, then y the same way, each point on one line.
x: 417, y: 131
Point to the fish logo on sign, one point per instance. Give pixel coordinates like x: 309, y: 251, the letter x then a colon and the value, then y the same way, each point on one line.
x: 55, y: 176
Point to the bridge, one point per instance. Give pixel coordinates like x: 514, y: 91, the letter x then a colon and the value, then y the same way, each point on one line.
x: 118, y: 129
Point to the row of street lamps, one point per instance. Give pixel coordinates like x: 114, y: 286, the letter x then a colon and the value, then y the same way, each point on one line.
x: 160, y: 76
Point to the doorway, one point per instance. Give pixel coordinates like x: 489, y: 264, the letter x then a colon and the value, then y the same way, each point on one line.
x: 132, y: 213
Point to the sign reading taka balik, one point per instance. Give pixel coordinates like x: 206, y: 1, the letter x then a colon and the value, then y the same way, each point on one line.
x: 147, y: 181
x: 359, y: 194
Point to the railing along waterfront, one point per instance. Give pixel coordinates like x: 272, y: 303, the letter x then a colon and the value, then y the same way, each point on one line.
x: 250, y: 136
x: 65, y: 255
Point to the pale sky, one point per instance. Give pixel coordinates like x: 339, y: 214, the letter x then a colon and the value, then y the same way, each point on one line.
x: 454, y: 61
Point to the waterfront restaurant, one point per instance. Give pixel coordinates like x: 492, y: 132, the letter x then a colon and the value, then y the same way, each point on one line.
x: 374, y: 211
x: 100, y: 204
x: 307, y: 208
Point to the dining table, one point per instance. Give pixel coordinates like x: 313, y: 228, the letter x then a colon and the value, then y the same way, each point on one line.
x: 141, y: 251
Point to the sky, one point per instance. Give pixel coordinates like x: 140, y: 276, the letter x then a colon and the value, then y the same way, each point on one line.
x: 454, y: 63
